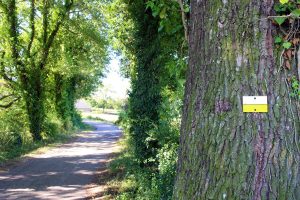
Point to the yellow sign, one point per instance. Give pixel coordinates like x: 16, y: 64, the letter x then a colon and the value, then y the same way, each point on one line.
x: 255, y: 104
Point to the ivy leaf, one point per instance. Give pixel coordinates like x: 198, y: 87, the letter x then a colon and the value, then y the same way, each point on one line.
x: 283, y: 1
x: 186, y: 9
x: 287, y: 45
x: 296, y: 13
x: 278, y: 40
x: 155, y: 13
x: 162, y: 14
x: 149, y: 4
x: 280, y: 8
x: 280, y: 20
x: 161, y: 26
x: 295, y: 85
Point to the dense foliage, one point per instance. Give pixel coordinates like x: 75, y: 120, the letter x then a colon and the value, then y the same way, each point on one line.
x: 287, y: 40
x: 52, y: 53
x: 151, y: 41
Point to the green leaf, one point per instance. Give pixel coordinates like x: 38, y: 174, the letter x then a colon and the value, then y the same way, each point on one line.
x: 283, y: 1
x: 149, y: 4
x: 296, y: 12
x: 162, y: 13
x: 155, y: 13
x: 161, y: 27
x: 280, y: 8
x: 186, y: 9
x: 295, y: 85
x: 278, y: 40
x: 287, y: 45
x: 280, y: 20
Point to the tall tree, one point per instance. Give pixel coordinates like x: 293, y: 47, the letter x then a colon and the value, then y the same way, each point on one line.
x: 225, y: 153
x: 145, y: 98
x: 30, y: 28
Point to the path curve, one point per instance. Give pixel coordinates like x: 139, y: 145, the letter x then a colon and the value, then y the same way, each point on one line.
x: 63, y: 172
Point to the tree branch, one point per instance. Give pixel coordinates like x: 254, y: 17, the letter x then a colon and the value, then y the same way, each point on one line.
x: 2, y: 70
x: 45, y: 21
x: 11, y: 17
x: 5, y: 77
x: 184, y: 20
x: 13, y: 33
x: 5, y: 96
x: 32, y: 25
x: 50, y: 40
x: 9, y: 104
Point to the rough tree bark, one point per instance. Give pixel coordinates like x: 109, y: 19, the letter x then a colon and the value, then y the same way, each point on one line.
x: 225, y: 153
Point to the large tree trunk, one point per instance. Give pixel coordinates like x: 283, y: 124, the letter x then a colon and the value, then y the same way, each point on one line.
x: 34, y: 98
x: 225, y: 153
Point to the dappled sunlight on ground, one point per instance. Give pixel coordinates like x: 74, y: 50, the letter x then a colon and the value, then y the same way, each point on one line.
x: 63, y: 172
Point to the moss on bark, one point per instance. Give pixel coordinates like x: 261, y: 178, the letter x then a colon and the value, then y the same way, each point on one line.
x: 225, y: 153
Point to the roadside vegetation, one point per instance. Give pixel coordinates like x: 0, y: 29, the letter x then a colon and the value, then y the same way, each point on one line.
x: 106, y: 115
x: 150, y: 38
x: 51, y: 54
x: 190, y: 63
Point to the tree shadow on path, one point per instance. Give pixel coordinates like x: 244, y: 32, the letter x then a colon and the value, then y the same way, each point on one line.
x: 63, y: 172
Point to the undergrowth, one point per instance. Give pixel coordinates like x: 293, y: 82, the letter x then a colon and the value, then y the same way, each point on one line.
x: 135, y: 182
x: 16, y: 140
x: 19, y: 150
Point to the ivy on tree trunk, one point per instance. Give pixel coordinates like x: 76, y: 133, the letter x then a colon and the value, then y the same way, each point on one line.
x: 28, y: 64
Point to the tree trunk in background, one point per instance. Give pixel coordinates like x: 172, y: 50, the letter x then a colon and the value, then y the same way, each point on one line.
x: 34, y: 98
x: 65, y: 89
x: 225, y: 153
x: 75, y: 118
x: 145, y: 98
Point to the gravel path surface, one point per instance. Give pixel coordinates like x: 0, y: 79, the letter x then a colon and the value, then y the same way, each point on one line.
x: 63, y: 172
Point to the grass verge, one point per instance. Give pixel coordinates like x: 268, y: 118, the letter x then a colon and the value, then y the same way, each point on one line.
x: 111, y: 180
x: 14, y: 153
x: 108, y: 117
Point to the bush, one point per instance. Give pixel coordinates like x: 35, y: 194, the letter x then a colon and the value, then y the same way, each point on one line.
x: 150, y: 181
x: 15, y: 137
x: 53, y: 126
x: 13, y: 127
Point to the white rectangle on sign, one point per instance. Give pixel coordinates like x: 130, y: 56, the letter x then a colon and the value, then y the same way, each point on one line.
x: 255, y: 100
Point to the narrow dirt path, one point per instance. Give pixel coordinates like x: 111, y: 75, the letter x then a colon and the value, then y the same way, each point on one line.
x: 63, y: 172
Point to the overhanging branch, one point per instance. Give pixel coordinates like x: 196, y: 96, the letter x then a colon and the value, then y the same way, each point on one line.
x: 5, y: 96
x: 2, y: 70
x: 9, y: 104
x: 50, y: 40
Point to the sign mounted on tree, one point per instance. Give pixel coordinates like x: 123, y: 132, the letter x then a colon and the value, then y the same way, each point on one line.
x: 255, y: 104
